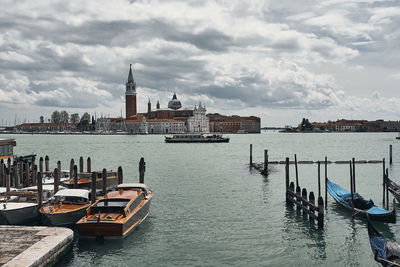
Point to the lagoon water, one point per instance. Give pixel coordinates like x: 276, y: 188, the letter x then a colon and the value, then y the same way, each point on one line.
x: 209, y: 209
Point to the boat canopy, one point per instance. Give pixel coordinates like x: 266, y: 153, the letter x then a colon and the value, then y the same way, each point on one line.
x: 344, y: 196
x: 4, y: 190
x: 73, y: 193
x: 46, y: 187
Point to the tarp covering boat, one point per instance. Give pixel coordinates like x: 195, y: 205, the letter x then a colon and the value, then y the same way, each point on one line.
x: 385, y: 251
x: 344, y: 196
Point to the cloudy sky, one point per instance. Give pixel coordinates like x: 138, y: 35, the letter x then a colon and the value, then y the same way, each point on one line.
x: 281, y: 60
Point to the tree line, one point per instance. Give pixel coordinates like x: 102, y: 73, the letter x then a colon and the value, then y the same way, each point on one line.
x: 84, y: 123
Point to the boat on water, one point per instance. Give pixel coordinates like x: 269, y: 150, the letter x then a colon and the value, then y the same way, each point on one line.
x: 386, y: 252
x: 85, y: 181
x: 393, y: 188
x: 398, y: 137
x: 196, y: 138
x: 66, y: 207
x: 362, y: 207
x: 118, y: 213
x: 21, y: 206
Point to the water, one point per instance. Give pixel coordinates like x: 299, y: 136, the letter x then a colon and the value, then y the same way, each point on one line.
x: 209, y: 209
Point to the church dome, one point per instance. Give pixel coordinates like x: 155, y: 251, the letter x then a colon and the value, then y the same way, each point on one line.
x: 174, y: 103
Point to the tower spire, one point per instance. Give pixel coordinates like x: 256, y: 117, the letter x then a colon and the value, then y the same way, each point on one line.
x: 130, y: 76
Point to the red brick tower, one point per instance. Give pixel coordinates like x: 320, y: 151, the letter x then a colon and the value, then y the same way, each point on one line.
x: 130, y: 96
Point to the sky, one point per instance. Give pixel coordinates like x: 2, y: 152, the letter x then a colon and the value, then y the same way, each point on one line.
x: 281, y: 60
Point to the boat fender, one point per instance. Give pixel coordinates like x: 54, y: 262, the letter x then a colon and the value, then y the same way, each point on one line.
x: 5, y: 205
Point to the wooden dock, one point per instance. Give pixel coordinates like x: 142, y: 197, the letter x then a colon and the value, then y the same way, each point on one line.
x: 33, y: 245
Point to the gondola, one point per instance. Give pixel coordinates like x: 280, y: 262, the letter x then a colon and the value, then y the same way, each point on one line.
x: 362, y: 207
x: 386, y: 252
x: 393, y: 188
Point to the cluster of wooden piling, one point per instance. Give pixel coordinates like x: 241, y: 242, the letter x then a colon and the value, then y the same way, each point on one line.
x: 18, y: 172
x: 299, y: 196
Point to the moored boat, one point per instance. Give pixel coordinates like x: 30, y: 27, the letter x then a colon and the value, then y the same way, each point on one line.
x: 196, y: 138
x: 85, y: 181
x: 66, y: 207
x: 394, y: 188
x: 362, y: 207
x: 118, y: 213
x: 386, y: 252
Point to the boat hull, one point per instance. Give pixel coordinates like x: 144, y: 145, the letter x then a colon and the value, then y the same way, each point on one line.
x: 226, y: 140
x: 112, y: 229
x: 111, y: 183
x: 63, y: 219
x: 19, y: 216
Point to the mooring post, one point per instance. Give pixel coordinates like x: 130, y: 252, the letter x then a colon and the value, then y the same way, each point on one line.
x: 56, y: 180
x: 298, y: 193
x: 311, y: 198
x: 384, y: 182
x: 7, y: 180
x: 81, y: 165
x: 319, y: 179
x: 89, y: 165
x: 15, y: 173
x: 75, y: 173
x: 265, y: 172
x: 59, y: 168
x: 71, y: 168
x: 34, y: 175
x: 354, y: 176
x: 21, y: 171
x: 120, y: 175
x: 387, y: 191
x: 297, y: 172
x: 287, y: 174
x: 326, y: 182
x: 104, y: 176
x: 304, y: 197
x: 41, y: 165
x: 26, y: 170
x: 251, y: 155
x: 2, y: 173
x: 9, y: 167
x: 47, y: 163
x: 390, y: 154
x: 40, y: 189
x: 93, y: 195
x: 320, y: 211
x: 351, y: 186
x: 142, y: 169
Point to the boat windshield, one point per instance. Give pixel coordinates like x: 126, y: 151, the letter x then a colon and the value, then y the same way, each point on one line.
x: 110, y: 205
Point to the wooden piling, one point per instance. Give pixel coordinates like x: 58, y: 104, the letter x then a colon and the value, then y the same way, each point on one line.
x: 9, y: 166
x: 41, y: 165
x: 104, y: 176
x: 351, y: 187
x: 75, y: 173
x: 2, y: 173
x: 26, y: 173
x: 40, y: 189
x: 120, y: 175
x: 265, y: 171
x: 15, y: 173
x: 21, y: 171
x: 71, y: 168
x: 47, y: 163
x: 142, y: 169
x: 81, y: 164
x: 251, y: 155
x: 34, y: 175
x: 354, y: 176
x: 384, y: 182
x: 89, y: 165
x: 287, y: 173
x: 319, y: 179
x: 8, y: 180
x: 298, y: 192
x: 56, y: 180
x: 297, y: 172
x: 59, y: 169
x: 93, y: 195
x: 387, y: 191
x: 326, y: 182
x: 321, y: 211
x: 390, y: 154
x: 311, y: 199
x: 304, y: 196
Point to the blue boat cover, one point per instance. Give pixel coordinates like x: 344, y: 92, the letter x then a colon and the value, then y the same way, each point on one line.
x: 344, y: 196
x: 379, y: 244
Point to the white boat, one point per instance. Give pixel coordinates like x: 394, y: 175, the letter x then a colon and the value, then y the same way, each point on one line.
x: 66, y: 207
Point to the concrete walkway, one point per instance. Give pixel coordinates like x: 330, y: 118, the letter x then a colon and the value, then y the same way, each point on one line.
x: 33, y: 245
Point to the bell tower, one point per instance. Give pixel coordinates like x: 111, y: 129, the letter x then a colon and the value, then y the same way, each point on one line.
x: 130, y: 96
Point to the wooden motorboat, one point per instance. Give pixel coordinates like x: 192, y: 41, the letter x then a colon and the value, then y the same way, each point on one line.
x: 21, y: 206
x: 386, y: 252
x: 118, y: 213
x: 85, y: 181
x: 66, y: 207
x: 362, y: 207
x: 196, y: 138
